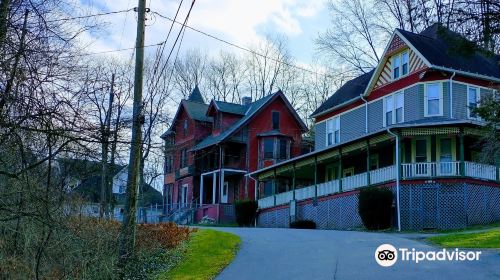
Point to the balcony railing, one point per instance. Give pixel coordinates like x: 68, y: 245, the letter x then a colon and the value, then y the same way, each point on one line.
x: 385, y: 174
x: 430, y: 169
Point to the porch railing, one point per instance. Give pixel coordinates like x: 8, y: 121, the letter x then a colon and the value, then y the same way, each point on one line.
x: 386, y: 174
x: 266, y: 202
x: 329, y: 187
x: 383, y: 174
x: 479, y: 170
x: 354, y: 182
x: 304, y: 193
x: 430, y: 169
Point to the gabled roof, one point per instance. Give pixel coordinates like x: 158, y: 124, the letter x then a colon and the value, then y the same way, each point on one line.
x: 194, y: 106
x: 439, y: 46
x: 253, y: 109
x: 349, y: 91
x: 232, y: 108
x: 226, y: 107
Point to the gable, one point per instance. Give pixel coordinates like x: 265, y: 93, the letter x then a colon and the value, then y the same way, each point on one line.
x: 397, y: 45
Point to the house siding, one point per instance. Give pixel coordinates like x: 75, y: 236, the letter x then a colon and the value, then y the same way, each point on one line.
x: 413, y: 103
x: 459, y: 101
x: 320, y: 136
x: 352, y: 124
x: 375, y: 115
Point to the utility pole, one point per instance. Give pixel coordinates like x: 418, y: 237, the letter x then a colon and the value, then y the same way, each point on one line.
x: 127, y: 234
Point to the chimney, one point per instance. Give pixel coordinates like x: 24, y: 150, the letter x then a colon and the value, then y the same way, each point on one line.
x: 245, y: 100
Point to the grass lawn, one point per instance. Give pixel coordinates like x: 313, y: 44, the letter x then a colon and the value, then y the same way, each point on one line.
x: 486, y: 239
x: 208, y: 252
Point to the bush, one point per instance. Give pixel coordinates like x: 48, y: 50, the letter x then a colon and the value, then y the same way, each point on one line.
x: 375, y: 207
x: 245, y: 212
x: 303, y: 224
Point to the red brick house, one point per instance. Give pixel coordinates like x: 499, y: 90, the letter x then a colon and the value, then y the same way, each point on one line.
x: 211, y: 149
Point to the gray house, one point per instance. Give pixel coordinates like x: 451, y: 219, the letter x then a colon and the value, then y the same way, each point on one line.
x: 407, y: 125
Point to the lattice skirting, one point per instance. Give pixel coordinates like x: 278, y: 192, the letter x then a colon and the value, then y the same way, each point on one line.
x: 429, y: 205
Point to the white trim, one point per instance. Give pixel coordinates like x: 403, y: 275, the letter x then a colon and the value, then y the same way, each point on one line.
x: 394, y: 107
x: 478, y: 99
x: 381, y: 63
x: 440, y: 99
x: 399, y: 56
x: 335, y: 127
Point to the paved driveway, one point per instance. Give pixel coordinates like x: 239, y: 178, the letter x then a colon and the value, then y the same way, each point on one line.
x: 323, y: 254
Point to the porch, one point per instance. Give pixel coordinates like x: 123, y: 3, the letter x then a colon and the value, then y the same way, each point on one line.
x: 415, y: 154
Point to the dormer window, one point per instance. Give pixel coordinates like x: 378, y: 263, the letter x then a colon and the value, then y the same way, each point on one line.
x: 400, y: 65
x: 276, y: 120
x: 185, y: 127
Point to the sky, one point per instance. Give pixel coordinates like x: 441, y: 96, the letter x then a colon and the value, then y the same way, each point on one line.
x: 239, y: 21
x: 243, y: 22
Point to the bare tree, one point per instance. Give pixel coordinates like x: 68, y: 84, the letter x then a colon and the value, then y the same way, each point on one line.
x: 354, y: 38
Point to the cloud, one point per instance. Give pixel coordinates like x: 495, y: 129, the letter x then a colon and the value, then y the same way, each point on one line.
x: 239, y: 21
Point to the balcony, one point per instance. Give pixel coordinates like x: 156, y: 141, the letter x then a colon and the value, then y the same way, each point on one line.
x: 423, y: 170
x: 185, y: 171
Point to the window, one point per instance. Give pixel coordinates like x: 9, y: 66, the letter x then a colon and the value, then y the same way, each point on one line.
x: 168, y: 164
x: 268, y: 188
x: 283, y: 149
x: 472, y: 102
x: 349, y: 172
x: 374, y: 162
x: 400, y: 65
x: 433, y: 100
x: 183, y: 158
x: 420, y: 150
x: 404, y: 63
x: 389, y: 106
x: 276, y: 120
x: 333, y: 131
x: 393, y: 108
x: 185, y: 127
x: 395, y: 67
x: 268, y: 148
x: 217, y: 120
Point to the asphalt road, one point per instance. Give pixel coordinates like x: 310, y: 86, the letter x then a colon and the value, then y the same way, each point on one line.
x: 267, y: 253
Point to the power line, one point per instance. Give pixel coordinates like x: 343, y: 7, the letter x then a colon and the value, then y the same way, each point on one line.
x: 160, y: 50
x: 110, y: 51
x: 89, y: 16
x: 243, y: 48
x: 184, y: 24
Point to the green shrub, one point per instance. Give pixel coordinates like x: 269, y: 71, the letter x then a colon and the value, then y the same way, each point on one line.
x: 375, y: 207
x: 303, y: 224
x: 245, y: 212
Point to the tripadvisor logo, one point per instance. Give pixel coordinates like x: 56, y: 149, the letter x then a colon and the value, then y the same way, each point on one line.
x: 387, y: 255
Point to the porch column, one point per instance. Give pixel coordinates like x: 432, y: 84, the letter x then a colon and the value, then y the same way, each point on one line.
x: 274, y: 186
x: 221, y: 184
x: 293, y: 182
x: 201, y: 190
x: 462, y: 152
x: 214, y: 185
x: 315, y: 201
x: 340, y: 170
x: 367, y: 162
